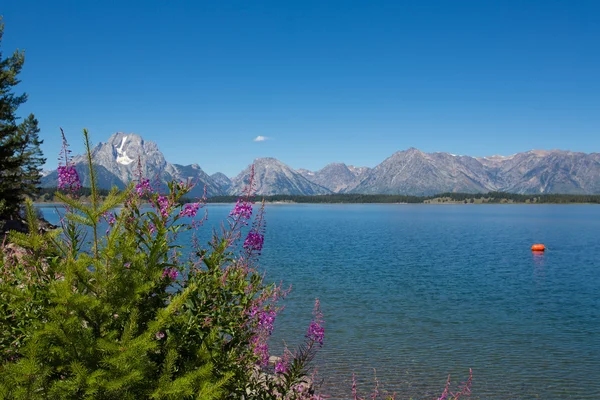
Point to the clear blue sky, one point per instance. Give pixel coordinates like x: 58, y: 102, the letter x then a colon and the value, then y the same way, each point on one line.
x: 325, y: 81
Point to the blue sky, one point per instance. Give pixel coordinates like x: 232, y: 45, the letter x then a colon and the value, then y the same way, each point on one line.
x: 323, y: 81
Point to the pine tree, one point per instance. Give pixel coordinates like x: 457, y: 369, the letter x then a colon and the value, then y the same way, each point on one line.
x: 30, y: 156
x: 20, y: 154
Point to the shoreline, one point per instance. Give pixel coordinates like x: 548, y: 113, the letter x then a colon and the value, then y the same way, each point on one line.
x: 425, y: 203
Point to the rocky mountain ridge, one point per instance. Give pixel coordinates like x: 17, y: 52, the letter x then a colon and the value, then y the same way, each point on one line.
x: 124, y: 156
x: 410, y: 172
x: 537, y: 171
x: 271, y: 176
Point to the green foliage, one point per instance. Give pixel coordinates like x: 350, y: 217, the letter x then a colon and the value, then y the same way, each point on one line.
x: 20, y: 155
x: 491, y: 197
x: 122, y: 315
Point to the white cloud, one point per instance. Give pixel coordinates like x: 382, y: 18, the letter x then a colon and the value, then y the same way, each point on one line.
x: 260, y: 138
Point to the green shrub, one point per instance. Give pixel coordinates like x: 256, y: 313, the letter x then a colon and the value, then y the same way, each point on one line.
x: 124, y: 314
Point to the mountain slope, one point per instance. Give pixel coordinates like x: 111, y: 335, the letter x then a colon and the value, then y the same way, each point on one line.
x: 222, y: 180
x: 116, y: 163
x: 540, y: 171
x: 271, y: 176
x: 416, y: 173
x: 337, y: 177
x: 409, y: 172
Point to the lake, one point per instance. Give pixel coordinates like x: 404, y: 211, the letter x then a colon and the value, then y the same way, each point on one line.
x: 418, y: 292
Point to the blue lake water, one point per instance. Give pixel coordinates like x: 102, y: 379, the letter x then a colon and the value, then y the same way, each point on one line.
x: 422, y: 291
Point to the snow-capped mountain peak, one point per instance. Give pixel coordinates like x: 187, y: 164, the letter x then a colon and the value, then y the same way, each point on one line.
x: 122, y: 157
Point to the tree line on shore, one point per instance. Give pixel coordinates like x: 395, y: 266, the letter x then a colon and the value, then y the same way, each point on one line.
x: 47, y: 195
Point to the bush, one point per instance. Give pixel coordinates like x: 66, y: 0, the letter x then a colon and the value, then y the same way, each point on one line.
x: 125, y: 315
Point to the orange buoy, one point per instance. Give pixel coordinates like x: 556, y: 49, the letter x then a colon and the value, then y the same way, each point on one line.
x: 538, y: 247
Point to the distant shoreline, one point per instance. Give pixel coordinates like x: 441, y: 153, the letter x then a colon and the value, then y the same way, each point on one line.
x: 47, y: 196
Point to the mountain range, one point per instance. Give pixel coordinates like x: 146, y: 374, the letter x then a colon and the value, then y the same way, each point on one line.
x: 412, y: 172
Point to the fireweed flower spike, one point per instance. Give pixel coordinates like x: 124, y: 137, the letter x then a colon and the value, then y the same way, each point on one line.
x: 68, y: 178
x: 465, y: 389
x: 190, y: 210
x: 282, y: 366
x: 444, y: 395
x: 143, y: 187
x: 163, y: 205
x: 316, y: 331
x: 264, y: 328
x: 171, y: 273
x: 242, y: 210
x: 254, y: 241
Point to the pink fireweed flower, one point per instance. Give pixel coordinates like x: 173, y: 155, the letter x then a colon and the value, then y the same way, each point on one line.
x: 465, y: 388
x: 444, y: 395
x: 143, y: 187
x: 263, y: 329
x: 68, y: 178
x: 316, y: 331
x: 254, y: 241
x: 266, y: 319
x: 163, y: 205
x: 171, y: 273
x: 281, y: 367
x: 190, y: 210
x: 110, y: 218
x: 261, y: 350
x: 242, y: 210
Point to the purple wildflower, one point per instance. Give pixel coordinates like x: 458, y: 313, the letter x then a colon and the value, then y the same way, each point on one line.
x: 444, y: 395
x: 263, y: 329
x: 281, y: 367
x: 283, y: 364
x: 110, y: 218
x: 316, y: 331
x: 190, y: 210
x: 171, y: 273
x: 254, y: 241
x: 266, y: 319
x: 68, y: 178
x: 160, y: 335
x: 242, y: 210
x: 143, y: 187
x: 261, y: 350
x: 151, y: 227
x: 163, y: 204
